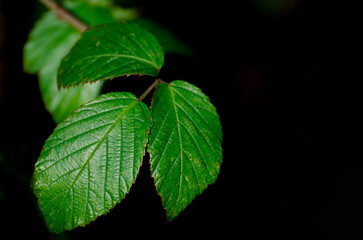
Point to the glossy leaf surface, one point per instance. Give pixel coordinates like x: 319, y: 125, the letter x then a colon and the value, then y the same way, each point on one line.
x: 111, y: 50
x: 91, y: 160
x: 184, y: 144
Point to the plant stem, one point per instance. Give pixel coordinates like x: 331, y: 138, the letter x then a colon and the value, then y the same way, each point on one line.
x: 63, y: 14
x: 157, y: 81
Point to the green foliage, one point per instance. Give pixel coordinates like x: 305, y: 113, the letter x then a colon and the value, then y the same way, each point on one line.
x: 51, y: 39
x: 184, y: 144
x: 109, y: 51
x: 61, y: 102
x: 89, y: 13
x: 105, y: 7
x: 102, y: 3
x: 92, y: 158
x: 47, y: 42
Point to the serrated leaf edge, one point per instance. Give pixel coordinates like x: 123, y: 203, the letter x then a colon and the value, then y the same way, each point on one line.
x: 168, y: 217
x: 34, y: 177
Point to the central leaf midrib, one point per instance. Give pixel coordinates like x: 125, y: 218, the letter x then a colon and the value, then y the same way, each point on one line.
x: 94, y: 151
x: 180, y: 145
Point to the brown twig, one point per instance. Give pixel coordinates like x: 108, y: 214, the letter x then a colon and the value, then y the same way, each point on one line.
x: 63, y: 14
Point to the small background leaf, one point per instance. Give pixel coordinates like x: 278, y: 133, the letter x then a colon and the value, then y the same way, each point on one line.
x: 109, y: 51
x: 61, y: 102
x: 99, y: 3
x: 90, y: 14
x: 184, y: 144
x: 45, y: 43
x: 91, y: 160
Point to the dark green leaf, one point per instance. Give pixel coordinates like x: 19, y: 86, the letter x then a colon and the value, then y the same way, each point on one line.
x: 184, y: 144
x: 118, y: 13
x: 109, y: 51
x: 90, y: 14
x: 98, y: 3
x: 91, y: 160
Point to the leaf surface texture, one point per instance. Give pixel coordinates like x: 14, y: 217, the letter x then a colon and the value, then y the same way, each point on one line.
x: 184, y: 144
x: 91, y: 160
x: 111, y: 50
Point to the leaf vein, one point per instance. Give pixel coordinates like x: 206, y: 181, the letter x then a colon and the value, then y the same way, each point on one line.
x: 93, y: 152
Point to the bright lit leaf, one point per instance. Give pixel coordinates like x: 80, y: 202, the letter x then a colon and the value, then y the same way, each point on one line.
x: 91, y: 160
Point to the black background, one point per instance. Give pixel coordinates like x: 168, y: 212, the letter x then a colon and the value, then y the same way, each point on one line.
x: 286, y: 82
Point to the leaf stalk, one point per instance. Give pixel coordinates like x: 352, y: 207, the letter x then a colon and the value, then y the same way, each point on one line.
x: 63, y: 14
x: 157, y: 81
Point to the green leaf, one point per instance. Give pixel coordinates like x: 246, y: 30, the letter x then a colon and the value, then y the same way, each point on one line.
x: 124, y: 14
x: 184, y: 144
x: 61, y: 102
x: 48, y: 41
x: 111, y: 50
x: 91, y: 160
x: 118, y: 13
x: 102, y: 3
x: 51, y: 38
x: 90, y: 14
